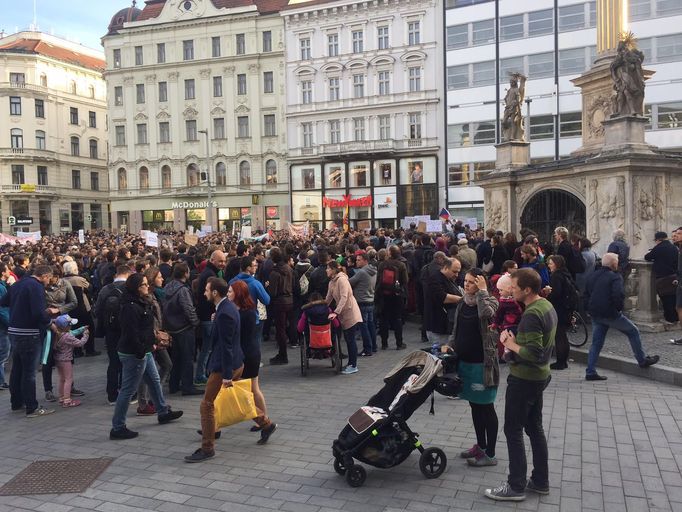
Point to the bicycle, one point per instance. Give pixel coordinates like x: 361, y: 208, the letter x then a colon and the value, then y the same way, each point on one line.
x: 577, y: 331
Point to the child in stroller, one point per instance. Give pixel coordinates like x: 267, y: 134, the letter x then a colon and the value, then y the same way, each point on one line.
x: 378, y: 435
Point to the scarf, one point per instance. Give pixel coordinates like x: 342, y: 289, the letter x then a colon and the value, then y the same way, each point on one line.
x: 469, y: 299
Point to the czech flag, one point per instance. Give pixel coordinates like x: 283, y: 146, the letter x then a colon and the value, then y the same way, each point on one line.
x: 444, y: 214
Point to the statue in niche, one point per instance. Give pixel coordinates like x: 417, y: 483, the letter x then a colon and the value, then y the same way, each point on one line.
x: 512, y: 121
x: 628, y: 78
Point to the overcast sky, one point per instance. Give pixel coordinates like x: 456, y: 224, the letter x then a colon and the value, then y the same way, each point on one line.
x: 84, y: 21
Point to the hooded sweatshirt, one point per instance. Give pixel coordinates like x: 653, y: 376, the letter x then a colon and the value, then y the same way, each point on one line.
x: 363, y: 283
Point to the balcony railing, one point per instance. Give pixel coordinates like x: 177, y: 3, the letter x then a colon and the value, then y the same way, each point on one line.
x: 364, y: 146
x: 22, y: 85
x: 27, y: 153
x: 29, y: 189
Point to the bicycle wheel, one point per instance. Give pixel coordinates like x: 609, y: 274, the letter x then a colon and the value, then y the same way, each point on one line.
x: 577, y: 331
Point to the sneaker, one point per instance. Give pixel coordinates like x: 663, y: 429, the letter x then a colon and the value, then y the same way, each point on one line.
x: 482, y: 461
x: 169, y: 416
x: 504, y: 493
x: 558, y: 366
x: 200, y: 383
x: 49, y: 396
x: 649, y: 361
x: 533, y: 487
x: 146, y: 410
x: 199, y: 456
x: 215, y: 436
x: 71, y: 403
x: 111, y: 402
x: 133, y: 400
x: 77, y: 392
x: 401, y: 346
x: 277, y: 360
x: 472, y: 453
x: 266, y: 433
x: 122, y: 433
x: 349, y: 370
x: 40, y: 411
x: 4, y: 385
x: 595, y: 376
x: 365, y: 354
x: 676, y: 342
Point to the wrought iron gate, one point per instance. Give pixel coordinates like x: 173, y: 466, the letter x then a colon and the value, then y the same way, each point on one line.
x: 551, y: 208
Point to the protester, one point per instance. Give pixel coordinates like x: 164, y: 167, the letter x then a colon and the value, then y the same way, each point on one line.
x: 205, y: 310
x: 363, y: 284
x: 249, y: 269
x: 677, y: 240
x: 621, y: 249
x: 64, y: 343
x: 390, y: 293
x: 5, y: 274
x: 664, y: 258
x: 563, y: 295
x: 281, y: 290
x: 441, y: 295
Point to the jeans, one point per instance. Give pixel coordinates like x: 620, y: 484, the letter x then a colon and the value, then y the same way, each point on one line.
x: 258, y: 334
x: 114, y: 367
x: 600, y: 327
x: 182, y: 372
x: 134, y: 371
x: 4, y: 354
x: 523, y: 411
x: 368, y: 329
x: 22, y: 381
x: 391, y: 316
x: 164, y: 363
x: 349, y: 335
x: 205, y: 351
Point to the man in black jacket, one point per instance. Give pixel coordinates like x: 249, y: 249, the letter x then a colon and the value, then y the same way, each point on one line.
x: 390, y: 297
x: 677, y: 240
x: 605, y: 298
x: 281, y: 290
x: 565, y: 250
x: 664, y: 257
x: 205, y: 310
x: 441, y: 294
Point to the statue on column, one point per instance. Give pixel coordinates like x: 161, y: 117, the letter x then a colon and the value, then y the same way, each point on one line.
x: 512, y: 121
x: 628, y: 78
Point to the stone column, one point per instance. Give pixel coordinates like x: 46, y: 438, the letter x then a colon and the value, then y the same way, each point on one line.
x: 611, y: 22
x: 647, y: 314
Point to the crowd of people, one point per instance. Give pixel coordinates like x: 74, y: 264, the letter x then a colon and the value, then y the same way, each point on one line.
x: 192, y: 319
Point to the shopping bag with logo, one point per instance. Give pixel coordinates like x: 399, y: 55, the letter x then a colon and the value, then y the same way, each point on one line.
x: 234, y: 404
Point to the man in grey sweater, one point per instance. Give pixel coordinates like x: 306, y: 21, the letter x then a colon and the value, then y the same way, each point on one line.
x: 363, y: 283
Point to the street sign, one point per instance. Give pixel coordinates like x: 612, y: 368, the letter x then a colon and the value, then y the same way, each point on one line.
x: 11, y: 220
x: 24, y: 221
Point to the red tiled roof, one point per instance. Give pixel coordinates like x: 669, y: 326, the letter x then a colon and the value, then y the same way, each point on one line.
x: 306, y: 4
x: 39, y: 47
x: 153, y: 8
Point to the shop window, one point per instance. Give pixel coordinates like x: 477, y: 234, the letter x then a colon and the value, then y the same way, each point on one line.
x: 414, y: 171
x: 384, y: 172
x: 335, y: 175
x: 359, y: 174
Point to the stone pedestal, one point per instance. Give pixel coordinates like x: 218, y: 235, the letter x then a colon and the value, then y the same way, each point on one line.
x: 512, y: 155
x: 647, y: 314
x: 625, y: 134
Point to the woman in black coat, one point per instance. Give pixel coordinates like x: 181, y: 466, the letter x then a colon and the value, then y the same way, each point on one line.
x: 499, y: 255
x: 559, y: 293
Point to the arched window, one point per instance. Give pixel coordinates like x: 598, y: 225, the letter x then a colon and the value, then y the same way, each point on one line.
x: 75, y: 146
x: 271, y: 172
x: 122, y: 179
x: 17, y: 135
x: 72, y: 87
x: 220, y: 174
x: 245, y: 173
x: 40, y: 139
x: 144, y: 178
x: 93, y: 148
x: 43, y: 80
x: 166, y: 177
x: 193, y: 176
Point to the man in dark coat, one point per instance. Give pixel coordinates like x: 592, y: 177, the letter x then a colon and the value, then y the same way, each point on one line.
x: 664, y: 257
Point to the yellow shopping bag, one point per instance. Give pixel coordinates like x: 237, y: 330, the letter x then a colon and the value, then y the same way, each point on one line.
x: 234, y: 404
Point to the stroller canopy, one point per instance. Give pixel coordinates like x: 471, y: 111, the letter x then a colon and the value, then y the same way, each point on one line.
x: 432, y: 367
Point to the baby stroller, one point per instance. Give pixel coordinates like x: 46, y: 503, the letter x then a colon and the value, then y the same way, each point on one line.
x: 378, y: 435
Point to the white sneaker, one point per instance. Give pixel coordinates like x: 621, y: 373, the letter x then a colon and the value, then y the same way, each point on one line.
x: 349, y: 370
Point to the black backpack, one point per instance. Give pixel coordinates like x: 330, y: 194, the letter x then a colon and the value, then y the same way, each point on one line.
x: 112, y: 310
x: 576, y: 265
x: 571, y: 295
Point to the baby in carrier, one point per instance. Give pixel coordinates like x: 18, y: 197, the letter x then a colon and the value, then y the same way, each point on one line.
x: 508, y: 315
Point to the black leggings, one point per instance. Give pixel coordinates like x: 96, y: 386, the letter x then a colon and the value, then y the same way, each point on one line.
x: 561, y: 344
x: 485, y: 424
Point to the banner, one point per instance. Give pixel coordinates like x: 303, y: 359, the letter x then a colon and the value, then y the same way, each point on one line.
x: 32, y: 236
x: 245, y: 233
x: 191, y: 240
x: 434, y: 226
x: 143, y: 233
x: 81, y: 236
x: 152, y: 239
x: 299, y: 229
x: 472, y: 223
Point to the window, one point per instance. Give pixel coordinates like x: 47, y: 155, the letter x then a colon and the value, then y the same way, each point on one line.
x: 271, y: 172
x: 358, y: 128
x: 540, y: 22
x: 215, y: 46
x: 542, y: 127
x: 42, y: 175
x: 384, y: 127
x: 668, y: 48
x: 244, y: 173
x: 541, y: 65
x: 138, y: 56
x: 483, y: 32
x: 268, y: 82
x: 415, y: 77
x: 188, y: 50
x: 92, y: 119
x: 40, y: 108
x: 93, y: 148
x: 669, y: 115
x: 72, y: 87
x: 269, y: 125
x: 335, y: 131
x: 382, y: 36
x: 217, y: 86
x: 668, y: 7
x: 139, y: 93
x: 17, y: 79
x: 510, y: 66
x: 458, y: 36
x: 118, y: 96
x: 17, y: 138
x: 267, y: 41
x: 334, y: 88
x: 189, y: 89
x: 191, y: 129
x: 17, y: 175
x: 571, y: 124
x: 571, y: 17
x: 358, y: 86
x: 484, y: 133
x: 639, y: 9
x: 333, y: 45
x: 75, y: 146
x: 120, y: 135
x: 305, y: 48
x: 15, y: 105
x: 307, y: 129
x: 306, y: 92
x: 75, y: 179
x: 593, y: 14
x: 220, y: 174
x: 94, y: 180
x: 483, y: 73
x: 122, y: 179
x: 240, y: 44
x: 142, y: 133
x: 571, y: 62
x: 219, y: 128
x: 163, y: 91
x: 415, y: 125
x: 144, y: 178
x: 413, y: 33
x: 511, y: 27
x: 73, y: 114
x: 164, y: 132
x: 384, y: 82
x: 166, y: 177
x: 117, y: 58
x: 40, y: 139
x: 241, y: 84
x: 357, y: 37
x: 458, y: 77
x: 242, y: 126
x: 161, y: 53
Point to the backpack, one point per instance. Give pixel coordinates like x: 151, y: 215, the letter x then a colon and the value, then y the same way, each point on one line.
x: 571, y: 295
x: 303, y: 281
x: 112, y: 310
x: 389, y: 284
x: 576, y: 265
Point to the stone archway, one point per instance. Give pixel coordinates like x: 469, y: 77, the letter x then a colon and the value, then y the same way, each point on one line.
x: 551, y: 208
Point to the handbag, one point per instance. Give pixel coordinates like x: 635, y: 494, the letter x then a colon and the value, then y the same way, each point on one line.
x: 163, y: 339
x: 234, y: 404
x: 667, y: 285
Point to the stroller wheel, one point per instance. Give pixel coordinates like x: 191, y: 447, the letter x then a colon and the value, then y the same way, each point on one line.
x: 432, y: 462
x: 339, y: 467
x: 356, y: 475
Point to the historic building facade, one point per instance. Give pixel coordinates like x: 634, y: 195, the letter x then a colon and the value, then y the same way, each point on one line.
x: 197, y: 86
x: 364, y: 99
x: 53, y: 140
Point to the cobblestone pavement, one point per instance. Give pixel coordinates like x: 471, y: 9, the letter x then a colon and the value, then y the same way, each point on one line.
x: 614, y: 446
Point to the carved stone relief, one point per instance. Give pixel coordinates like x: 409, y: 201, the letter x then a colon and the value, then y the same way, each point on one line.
x: 598, y: 110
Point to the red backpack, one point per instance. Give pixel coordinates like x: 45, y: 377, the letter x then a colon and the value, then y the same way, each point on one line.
x: 389, y: 284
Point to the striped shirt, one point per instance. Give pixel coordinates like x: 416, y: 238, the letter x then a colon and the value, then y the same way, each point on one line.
x: 536, y: 337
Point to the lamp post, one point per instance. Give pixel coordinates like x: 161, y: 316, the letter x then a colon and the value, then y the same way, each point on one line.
x: 209, y: 208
